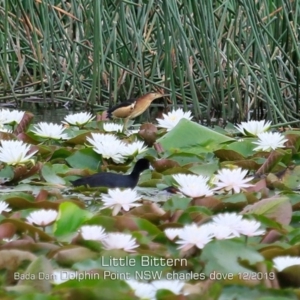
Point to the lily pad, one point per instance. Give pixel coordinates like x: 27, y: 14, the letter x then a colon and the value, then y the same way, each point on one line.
x: 187, y: 134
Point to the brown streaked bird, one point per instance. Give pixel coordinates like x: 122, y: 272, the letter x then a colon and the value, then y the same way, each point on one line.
x: 132, y: 108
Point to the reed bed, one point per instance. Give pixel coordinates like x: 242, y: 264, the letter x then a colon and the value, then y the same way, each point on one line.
x: 225, y: 60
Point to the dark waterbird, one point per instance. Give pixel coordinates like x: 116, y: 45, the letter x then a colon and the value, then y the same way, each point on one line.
x: 113, y: 180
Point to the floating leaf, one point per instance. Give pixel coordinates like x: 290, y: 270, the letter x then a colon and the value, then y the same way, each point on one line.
x: 38, y: 275
x: 25, y: 227
x: 79, y: 139
x: 276, y: 208
x: 11, y: 259
x: 198, y: 136
x: 214, y: 252
x: 67, y: 256
x: 164, y: 164
x: 290, y: 177
x: 50, y: 176
x: 244, y: 147
x: 84, y: 158
x: 7, y: 230
x: 6, y: 174
x: 70, y: 217
x: 272, y: 160
x: 24, y: 124
x: 225, y: 155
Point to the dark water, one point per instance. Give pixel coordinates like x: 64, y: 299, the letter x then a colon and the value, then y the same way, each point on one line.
x: 54, y: 115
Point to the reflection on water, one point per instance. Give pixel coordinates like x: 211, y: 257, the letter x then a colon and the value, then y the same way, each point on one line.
x: 54, y: 115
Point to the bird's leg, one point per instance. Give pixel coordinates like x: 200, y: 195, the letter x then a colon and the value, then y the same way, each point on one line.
x: 125, y: 124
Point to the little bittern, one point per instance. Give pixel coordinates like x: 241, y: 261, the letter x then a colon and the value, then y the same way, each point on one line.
x: 133, y: 107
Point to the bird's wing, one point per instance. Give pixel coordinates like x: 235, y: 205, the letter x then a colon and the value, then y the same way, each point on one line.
x: 129, y: 104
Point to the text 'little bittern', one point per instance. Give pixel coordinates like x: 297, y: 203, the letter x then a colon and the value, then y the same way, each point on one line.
x: 133, y: 107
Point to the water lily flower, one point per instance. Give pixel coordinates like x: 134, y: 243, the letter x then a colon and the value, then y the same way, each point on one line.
x: 92, y: 232
x: 253, y: 128
x: 172, y: 233
x: 62, y: 275
x: 136, y: 147
x: 108, y: 146
x: 193, y: 235
x: 78, y: 119
x: 123, y: 241
x: 4, y: 207
x: 142, y: 290
x: 110, y: 127
x: 131, y: 132
x: 175, y: 286
x: 171, y: 119
x: 42, y: 217
x: 228, y: 220
x: 193, y: 185
x: 11, y: 116
x: 270, y: 141
x: 15, y: 152
x: 232, y: 180
x: 50, y: 131
x: 120, y: 199
x: 220, y: 232
x: 250, y: 228
x: 283, y: 262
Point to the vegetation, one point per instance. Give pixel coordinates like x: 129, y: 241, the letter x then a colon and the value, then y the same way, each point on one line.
x: 226, y: 61
x: 231, y: 59
x: 60, y: 240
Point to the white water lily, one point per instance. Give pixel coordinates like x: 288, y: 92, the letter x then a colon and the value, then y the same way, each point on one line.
x: 270, y: 141
x: 120, y: 199
x: 172, y: 233
x: 15, y: 152
x: 92, y: 232
x: 11, y: 116
x: 4, y: 207
x: 62, y: 275
x: 175, y: 286
x: 228, y: 220
x: 193, y: 185
x: 108, y: 146
x: 253, y: 128
x: 78, y: 119
x: 232, y: 180
x: 193, y: 235
x: 250, y: 228
x: 110, y: 127
x: 220, y: 232
x: 123, y: 241
x: 50, y: 131
x: 171, y: 119
x: 42, y: 217
x: 283, y: 262
x: 142, y: 290
x: 136, y: 147
x: 131, y: 132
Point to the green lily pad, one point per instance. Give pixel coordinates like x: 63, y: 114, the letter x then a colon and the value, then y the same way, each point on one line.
x: 70, y: 217
x: 214, y: 252
x: 85, y: 158
x: 187, y: 135
x: 50, y: 176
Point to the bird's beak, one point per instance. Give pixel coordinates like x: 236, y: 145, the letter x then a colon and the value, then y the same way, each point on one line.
x: 151, y: 168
